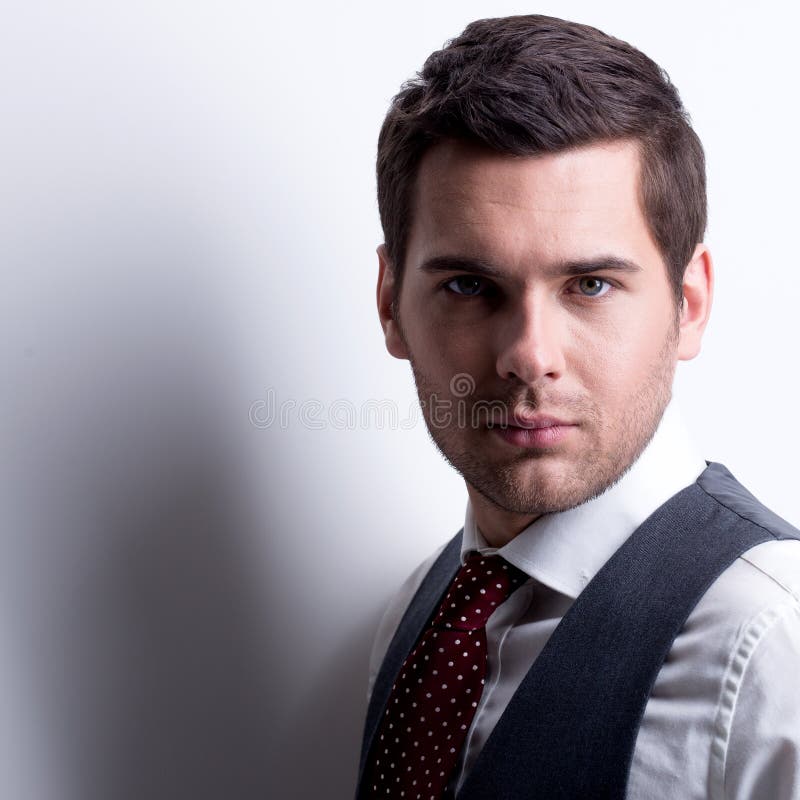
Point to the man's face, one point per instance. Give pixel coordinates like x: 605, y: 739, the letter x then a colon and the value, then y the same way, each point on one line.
x: 532, y: 285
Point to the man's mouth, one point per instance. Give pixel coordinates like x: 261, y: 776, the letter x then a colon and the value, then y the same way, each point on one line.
x: 537, y: 431
x: 537, y: 421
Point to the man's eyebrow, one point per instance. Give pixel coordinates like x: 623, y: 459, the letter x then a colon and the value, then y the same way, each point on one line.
x: 460, y: 264
x: 568, y: 268
x: 595, y: 264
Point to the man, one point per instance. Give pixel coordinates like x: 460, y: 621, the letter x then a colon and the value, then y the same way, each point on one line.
x: 617, y: 617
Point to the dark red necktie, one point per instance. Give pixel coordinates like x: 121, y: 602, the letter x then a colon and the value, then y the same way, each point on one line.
x: 431, y: 706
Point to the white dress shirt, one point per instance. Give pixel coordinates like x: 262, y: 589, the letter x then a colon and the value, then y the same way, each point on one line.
x: 723, y: 719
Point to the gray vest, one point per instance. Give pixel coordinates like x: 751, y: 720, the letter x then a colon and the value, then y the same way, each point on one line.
x: 570, y: 729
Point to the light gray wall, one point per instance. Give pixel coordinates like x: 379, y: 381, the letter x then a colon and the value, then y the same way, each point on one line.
x: 187, y: 230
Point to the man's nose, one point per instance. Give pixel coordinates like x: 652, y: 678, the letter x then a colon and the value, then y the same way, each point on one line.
x: 530, y: 342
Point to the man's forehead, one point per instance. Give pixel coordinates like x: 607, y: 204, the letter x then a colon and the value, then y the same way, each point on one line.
x: 458, y: 176
x: 551, y: 208
x: 452, y: 169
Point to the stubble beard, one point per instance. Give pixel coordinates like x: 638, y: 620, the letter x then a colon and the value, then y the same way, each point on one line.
x: 612, y: 446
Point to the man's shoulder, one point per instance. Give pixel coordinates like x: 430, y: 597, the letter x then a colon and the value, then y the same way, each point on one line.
x: 776, y: 565
x: 752, y: 605
x: 724, y: 489
x: 765, y: 576
x: 727, y: 690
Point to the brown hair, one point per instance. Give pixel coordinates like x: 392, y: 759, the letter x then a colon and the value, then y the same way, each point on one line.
x: 528, y: 85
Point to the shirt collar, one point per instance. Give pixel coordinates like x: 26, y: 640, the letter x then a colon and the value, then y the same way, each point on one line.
x: 565, y: 550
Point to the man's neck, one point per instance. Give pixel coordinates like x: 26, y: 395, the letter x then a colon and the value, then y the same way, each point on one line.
x: 497, y: 525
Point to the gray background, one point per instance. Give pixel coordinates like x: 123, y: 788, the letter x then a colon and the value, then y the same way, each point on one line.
x: 187, y: 228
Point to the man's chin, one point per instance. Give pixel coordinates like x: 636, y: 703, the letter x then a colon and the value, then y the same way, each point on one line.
x: 534, y: 487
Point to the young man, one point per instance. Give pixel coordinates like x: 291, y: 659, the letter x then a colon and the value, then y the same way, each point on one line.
x: 617, y: 617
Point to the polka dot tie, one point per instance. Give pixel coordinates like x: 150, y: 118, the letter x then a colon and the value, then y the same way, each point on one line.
x: 431, y: 706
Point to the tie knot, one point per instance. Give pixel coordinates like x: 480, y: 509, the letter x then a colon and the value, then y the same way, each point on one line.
x: 482, y: 584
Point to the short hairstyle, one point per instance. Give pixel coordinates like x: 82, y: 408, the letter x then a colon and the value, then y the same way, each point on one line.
x: 530, y: 85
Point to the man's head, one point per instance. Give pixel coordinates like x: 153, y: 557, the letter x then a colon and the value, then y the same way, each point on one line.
x: 543, y: 200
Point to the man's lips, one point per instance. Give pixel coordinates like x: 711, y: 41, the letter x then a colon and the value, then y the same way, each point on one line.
x: 539, y: 432
x: 537, y: 421
x: 534, y: 422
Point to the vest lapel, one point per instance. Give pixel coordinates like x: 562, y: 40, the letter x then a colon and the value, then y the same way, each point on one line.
x: 421, y: 609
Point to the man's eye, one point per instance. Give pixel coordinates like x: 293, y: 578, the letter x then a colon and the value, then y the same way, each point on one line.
x: 593, y: 287
x: 465, y: 285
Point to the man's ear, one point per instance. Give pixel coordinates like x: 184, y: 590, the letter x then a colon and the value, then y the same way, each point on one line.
x: 395, y: 343
x: 698, y: 293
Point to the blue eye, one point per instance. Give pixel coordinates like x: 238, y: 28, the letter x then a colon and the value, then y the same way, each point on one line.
x: 596, y: 287
x: 468, y: 285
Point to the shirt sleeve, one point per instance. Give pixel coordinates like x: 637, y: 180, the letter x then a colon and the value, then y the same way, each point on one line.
x: 758, y: 728
x: 394, y: 613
